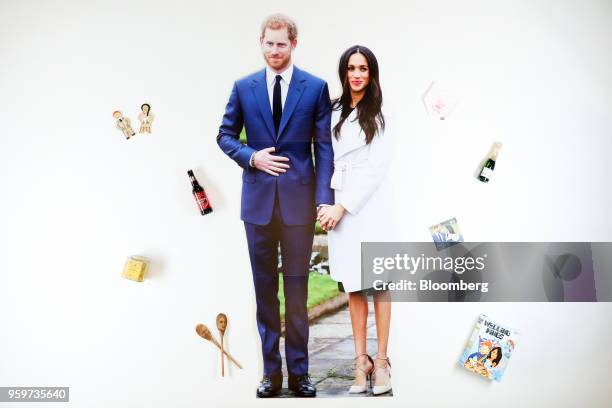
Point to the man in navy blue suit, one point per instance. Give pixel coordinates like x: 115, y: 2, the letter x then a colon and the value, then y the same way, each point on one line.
x: 286, y: 113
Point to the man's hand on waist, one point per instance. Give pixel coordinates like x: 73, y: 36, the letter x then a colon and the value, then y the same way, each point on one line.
x: 271, y: 164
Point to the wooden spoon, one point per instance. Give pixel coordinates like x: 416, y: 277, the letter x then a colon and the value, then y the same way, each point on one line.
x: 221, y: 325
x: 203, y: 332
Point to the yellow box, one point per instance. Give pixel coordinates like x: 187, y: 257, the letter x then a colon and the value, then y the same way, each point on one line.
x: 135, y: 268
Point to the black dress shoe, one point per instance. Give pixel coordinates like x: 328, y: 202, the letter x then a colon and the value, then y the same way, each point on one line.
x: 302, y: 386
x: 270, y: 386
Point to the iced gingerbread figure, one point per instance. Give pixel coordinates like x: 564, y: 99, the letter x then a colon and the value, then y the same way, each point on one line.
x: 123, y: 124
x: 145, y: 118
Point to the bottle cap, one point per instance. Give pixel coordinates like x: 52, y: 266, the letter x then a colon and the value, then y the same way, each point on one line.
x: 190, y: 172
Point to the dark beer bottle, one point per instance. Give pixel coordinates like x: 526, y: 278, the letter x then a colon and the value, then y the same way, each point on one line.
x: 199, y: 195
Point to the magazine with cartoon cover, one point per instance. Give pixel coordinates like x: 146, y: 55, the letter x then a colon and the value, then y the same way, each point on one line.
x: 489, y: 349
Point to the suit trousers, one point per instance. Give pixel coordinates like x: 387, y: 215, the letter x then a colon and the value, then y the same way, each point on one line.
x: 296, y: 247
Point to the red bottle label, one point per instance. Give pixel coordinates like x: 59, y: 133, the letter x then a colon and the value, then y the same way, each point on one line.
x: 202, y: 200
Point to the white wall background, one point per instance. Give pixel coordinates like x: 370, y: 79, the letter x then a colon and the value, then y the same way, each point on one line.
x: 76, y: 198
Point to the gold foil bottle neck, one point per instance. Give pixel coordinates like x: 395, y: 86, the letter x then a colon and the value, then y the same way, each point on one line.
x: 495, y: 150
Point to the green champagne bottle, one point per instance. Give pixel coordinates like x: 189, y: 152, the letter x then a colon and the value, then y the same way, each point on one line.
x: 487, y: 169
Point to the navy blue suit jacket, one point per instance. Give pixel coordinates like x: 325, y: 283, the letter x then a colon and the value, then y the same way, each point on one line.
x: 305, y: 122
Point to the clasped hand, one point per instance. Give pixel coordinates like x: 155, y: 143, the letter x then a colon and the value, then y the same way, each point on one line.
x: 330, y: 216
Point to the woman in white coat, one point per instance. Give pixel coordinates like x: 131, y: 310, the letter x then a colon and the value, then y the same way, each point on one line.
x: 363, y: 146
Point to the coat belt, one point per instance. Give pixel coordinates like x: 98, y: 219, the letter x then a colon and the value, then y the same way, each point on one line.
x: 341, y: 170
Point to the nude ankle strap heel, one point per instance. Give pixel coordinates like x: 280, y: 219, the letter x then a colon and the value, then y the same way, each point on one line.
x: 359, y: 373
x: 383, y: 376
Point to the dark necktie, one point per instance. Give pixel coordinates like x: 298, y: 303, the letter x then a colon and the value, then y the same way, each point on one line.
x: 277, y: 107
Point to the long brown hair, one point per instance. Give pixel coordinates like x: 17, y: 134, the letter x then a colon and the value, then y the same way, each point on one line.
x: 369, y: 114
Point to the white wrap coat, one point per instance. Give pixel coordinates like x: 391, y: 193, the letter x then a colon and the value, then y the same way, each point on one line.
x: 363, y: 187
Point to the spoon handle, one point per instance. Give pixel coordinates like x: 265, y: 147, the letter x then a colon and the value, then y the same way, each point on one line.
x: 222, y: 358
x: 229, y: 357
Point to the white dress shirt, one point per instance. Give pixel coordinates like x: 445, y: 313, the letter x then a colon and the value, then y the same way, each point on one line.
x: 271, y: 80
